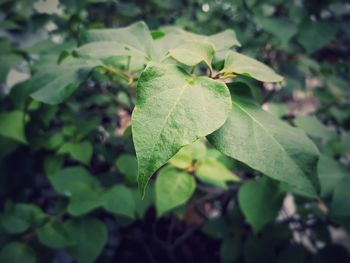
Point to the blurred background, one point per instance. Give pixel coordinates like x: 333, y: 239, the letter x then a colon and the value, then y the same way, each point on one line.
x: 306, y: 41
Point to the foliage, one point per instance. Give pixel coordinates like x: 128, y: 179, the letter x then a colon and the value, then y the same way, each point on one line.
x: 180, y: 142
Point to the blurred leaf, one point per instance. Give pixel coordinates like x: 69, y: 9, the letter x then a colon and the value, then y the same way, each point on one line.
x: 260, y: 202
x: 18, y: 218
x: 91, y: 237
x: 313, y: 127
x: 182, y: 159
x: 127, y: 165
x: 81, y: 151
x: 17, y: 252
x: 119, y: 200
x: 173, y: 188
x: 82, y: 189
x: 282, y: 28
x: 230, y: 249
x: 315, y: 35
x: 340, y: 207
x: 12, y: 125
x: 55, y: 84
x: 330, y: 173
x: 55, y: 234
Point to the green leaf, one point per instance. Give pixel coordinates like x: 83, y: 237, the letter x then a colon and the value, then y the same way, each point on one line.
x: 312, y: 126
x: 260, y: 202
x: 135, y: 38
x: 55, y: 234
x: 268, y: 145
x: 214, y: 172
x: 12, y: 125
x: 82, y: 189
x: 17, y: 252
x: 80, y: 151
x: 173, y: 188
x: 194, y: 52
x: 173, y: 109
x: 119, y: 200
x: 55, y: 84
x: 236, y: 63
x: 91, y: 237
x: 330, y: 173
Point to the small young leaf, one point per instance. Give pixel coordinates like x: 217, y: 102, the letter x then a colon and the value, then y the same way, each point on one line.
x: 240, y: 64
x: 260, y: 202
x: 173, y: 188
x: 215, y: 173
x: 173, y: 109
x: 268, y: 145
x: 194, y: 52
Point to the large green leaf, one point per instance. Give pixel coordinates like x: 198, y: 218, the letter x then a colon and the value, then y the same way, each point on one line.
x: 17, y: 252
x: 129, y: 40
x: 90, y: 235
x: 55, y: 84
x: 240, y: 64
x: 173, y: 188
x: 12, y: 125
x: 268, y: 145
x: 192, y: 53
x: 340, y: 205
x: 260, y: 202
x: 173, y: 109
